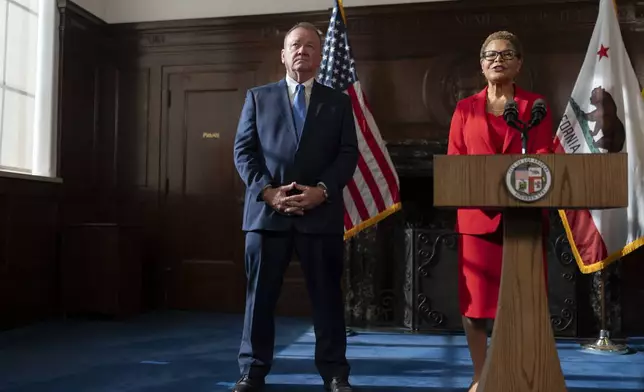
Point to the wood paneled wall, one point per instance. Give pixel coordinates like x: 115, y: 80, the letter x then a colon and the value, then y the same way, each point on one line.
x: 120, y: 84
x: 414, y: 61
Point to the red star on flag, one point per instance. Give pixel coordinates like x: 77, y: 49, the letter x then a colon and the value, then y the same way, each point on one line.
x: 603, y: 52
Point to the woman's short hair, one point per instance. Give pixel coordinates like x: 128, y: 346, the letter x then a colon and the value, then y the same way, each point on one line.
x: 507, y: 36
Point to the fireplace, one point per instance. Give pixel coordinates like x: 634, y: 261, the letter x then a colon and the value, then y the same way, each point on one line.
x: 402, y: 273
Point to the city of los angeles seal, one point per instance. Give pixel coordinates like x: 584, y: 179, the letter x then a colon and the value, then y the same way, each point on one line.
x: 528, y: 179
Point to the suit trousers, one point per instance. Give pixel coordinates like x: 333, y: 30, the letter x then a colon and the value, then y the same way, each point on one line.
x: 268, y: 254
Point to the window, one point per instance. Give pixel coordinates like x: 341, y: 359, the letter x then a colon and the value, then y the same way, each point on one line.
x: 27, y: 69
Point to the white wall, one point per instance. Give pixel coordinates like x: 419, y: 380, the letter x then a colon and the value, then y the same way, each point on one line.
x: 121, y: 11
x: 96, y: 7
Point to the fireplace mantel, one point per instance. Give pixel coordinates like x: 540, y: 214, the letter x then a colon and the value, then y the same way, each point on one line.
x: 414, y: 157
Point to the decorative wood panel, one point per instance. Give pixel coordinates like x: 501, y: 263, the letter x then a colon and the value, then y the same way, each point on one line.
x: 82, y: 146
x: 100, y: 270
x: 102, y: 160
x: 28, y: 268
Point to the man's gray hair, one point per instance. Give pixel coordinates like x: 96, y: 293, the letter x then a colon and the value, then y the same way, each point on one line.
x: 308, y: 26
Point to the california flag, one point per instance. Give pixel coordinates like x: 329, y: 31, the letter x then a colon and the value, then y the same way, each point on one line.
x: 605, y: 114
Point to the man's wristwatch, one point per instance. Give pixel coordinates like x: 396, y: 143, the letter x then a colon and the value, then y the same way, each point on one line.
x: 324, y: 189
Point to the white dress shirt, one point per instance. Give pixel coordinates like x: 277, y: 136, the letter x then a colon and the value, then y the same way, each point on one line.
x: 292, y: 85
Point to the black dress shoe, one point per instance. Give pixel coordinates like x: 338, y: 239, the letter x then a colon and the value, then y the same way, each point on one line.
x: 338, y: 385
x: 247, y: 384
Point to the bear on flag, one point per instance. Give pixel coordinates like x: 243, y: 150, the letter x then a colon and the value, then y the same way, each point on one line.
x: 605, y: 114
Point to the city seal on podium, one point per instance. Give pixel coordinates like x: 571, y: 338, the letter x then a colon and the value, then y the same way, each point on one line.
x: 528, y: 179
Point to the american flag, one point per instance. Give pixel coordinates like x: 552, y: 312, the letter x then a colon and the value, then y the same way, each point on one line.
x: 374, y: 191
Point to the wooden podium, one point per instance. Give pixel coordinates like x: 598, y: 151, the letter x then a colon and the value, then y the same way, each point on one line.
x: 522, y: 356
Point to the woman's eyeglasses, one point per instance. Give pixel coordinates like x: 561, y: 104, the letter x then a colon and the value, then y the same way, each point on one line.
x: 491, y: 55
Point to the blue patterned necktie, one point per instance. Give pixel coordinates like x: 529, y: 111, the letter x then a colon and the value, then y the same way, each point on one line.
x: 299, y: 109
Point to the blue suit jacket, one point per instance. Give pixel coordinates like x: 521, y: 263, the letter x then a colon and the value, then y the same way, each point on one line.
x: 267, y: 152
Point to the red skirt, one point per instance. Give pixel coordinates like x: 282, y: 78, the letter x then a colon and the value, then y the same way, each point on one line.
x: 479, y: 272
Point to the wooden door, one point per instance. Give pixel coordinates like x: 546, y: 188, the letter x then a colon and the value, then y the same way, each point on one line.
x: 203, y: 249
x: 204, y: 244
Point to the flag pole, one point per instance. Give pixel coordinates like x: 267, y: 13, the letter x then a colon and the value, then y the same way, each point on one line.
x: 603, y: 344
x: 349, y: 332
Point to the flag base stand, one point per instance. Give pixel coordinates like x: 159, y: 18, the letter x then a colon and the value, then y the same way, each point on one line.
x: 603, y: 345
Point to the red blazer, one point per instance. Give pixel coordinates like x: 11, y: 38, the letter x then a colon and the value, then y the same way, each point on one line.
x: 469, y: 134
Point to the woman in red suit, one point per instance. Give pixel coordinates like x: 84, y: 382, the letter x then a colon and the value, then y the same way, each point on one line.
x: 478, y: 128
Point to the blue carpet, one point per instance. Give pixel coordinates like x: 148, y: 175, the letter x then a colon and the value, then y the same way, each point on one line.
x: 191, y: 352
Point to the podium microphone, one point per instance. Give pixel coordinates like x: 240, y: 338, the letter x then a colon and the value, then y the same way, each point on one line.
x: 538, y: 113
x: 511, y: 115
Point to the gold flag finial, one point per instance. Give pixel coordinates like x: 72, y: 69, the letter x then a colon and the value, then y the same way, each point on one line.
x: 341, y: 7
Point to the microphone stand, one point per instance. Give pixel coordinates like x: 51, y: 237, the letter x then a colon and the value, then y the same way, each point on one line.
x: 523, y: 128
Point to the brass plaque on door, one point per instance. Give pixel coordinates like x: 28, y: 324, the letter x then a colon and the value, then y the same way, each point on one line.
x: 210, y: 135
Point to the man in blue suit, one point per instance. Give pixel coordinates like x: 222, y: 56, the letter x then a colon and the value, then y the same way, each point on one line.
x: 295, y: 149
